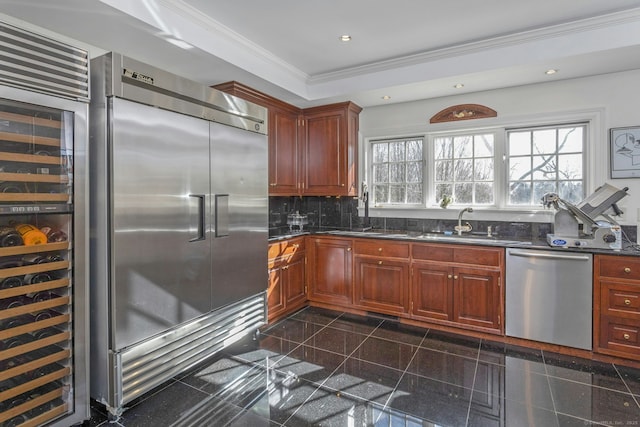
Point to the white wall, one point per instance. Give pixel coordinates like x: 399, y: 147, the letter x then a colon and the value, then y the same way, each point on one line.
x: 609, y: 101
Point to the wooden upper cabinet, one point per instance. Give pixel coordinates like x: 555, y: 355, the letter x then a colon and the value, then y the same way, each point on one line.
x: 311, y: 152
x: 284, y: 152
x: 331, y: 148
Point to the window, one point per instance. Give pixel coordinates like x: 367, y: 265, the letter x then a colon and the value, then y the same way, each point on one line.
x: 464, y: 168
x: 542, y: 160
x: 497, y: 167
x: 398, y: 171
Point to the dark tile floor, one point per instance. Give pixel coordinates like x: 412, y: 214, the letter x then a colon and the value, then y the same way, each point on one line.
x: 326, y: 368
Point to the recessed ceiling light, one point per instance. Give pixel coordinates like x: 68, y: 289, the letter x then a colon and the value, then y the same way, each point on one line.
x: 458, y: 85
x: 345, y: 38
x: 386, y: 97
x: 551, y: 71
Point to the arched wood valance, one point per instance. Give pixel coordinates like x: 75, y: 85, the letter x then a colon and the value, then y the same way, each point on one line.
x: 463, y: 112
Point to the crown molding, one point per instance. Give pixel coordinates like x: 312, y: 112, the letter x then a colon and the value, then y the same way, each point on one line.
x: 216, y: 28
x: 571, y: 28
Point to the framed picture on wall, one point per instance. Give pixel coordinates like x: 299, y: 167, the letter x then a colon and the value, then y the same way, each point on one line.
x: 625, y: 152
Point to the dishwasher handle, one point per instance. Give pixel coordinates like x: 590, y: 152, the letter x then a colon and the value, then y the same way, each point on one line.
x: 546, y: 255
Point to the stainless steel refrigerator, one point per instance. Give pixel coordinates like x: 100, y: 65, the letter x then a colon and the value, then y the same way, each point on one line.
x: 44, y: 331
x: 179, y: 210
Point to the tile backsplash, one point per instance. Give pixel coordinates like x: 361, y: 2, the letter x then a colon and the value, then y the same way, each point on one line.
x: 342, y: 213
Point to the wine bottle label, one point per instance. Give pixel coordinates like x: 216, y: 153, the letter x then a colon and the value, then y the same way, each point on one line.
x: 31, y: 235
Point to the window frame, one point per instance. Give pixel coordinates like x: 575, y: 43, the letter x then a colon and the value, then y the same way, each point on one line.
x: 405, y: 139
x: 555, y: 127
x: 432, y: 172
x: 595, y: 172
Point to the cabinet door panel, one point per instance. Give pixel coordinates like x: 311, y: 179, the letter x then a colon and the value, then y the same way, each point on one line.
x: 381, y: 284
x: 295, y: 283
x: 330, y: 271
x: 284, y: 178
x: 325, y: 155
x: 275, y: 297
x: 477, y: 296
x: 432, y: 291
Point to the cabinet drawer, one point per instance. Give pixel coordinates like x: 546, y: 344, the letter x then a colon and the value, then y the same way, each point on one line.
x: 382, y: 248
x: 619, y: 266
x: 620, y: 334
x: 431, y: 252
x: 479, y: 256
x: 286, y: 247
x: 474, y: 255
x: 620, y: 298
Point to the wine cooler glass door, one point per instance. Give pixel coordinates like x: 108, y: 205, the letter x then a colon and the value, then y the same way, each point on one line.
x: 36, y: 263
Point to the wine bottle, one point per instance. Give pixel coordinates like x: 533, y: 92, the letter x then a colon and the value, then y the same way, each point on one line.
x: 31, y: 279
x: 44, y: 315
x: 31, y: 259
x: 44, y: 333
x: 15, y: 341
x: 54, y: 258
x: 42, y: 296
x: 11, y: 282
x: 11, y: 187
x: 9, y: 236
x: 15, y: 321
x: 7, y: 303
x: 54, y: 234
x: 31, y: 235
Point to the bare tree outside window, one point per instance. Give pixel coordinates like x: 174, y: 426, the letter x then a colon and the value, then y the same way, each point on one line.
x: 398, y: 171
x: 542, y: 160
x: 464, y: 168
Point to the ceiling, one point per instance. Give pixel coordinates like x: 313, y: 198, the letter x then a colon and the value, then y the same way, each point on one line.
x: 405, y: 49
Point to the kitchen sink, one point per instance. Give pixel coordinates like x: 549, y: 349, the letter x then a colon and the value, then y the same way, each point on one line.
x: 355, y: 233
x: 483, y: 239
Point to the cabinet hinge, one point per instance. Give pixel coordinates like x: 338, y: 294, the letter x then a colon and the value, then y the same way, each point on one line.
x: 499, y: 320
x: 305, y: 289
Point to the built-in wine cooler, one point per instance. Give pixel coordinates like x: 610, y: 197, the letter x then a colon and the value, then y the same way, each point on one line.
x: 43, y: 300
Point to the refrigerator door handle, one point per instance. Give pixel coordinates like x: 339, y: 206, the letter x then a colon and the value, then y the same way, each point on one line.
x: 200, y: 218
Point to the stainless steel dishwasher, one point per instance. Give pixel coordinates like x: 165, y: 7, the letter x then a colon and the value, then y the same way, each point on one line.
x: 549, y: 297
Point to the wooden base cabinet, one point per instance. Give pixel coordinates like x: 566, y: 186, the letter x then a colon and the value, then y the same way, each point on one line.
x: 617, y: 305
x: 458, y: 286
x: 287, y: 273
x: 330, y: 270
x: 381, y: 276
x: 477, y: 299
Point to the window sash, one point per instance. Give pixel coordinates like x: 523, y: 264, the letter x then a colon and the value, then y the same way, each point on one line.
x: 397, y: 171
x: 545, y: 159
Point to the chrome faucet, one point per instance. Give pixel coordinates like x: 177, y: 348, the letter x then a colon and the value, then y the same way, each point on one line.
x: 467, y: 227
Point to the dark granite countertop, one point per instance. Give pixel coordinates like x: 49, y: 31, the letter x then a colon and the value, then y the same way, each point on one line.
x: 466, y: 239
